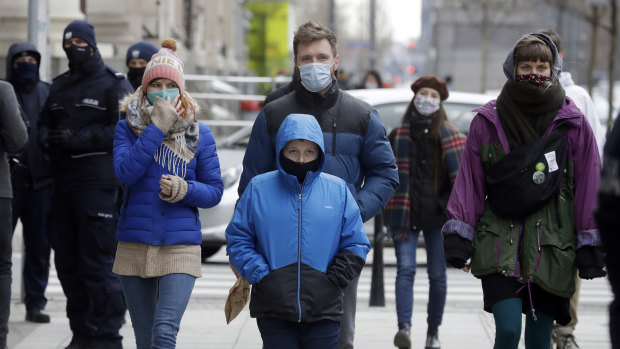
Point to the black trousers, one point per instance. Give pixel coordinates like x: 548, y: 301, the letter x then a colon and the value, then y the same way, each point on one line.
x: 83, y: 235
x: 33, y: 208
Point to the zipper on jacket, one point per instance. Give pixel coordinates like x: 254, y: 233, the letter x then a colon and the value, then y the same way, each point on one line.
x: 334, y: 136
x: 299, y: 196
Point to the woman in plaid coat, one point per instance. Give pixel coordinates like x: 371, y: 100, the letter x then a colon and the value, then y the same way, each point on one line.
x: 427, y: 149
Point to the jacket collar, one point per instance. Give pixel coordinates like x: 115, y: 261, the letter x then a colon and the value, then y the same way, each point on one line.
x: 314, y: 99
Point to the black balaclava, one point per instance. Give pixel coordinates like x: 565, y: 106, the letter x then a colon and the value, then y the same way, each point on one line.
x: 134, y: 75
x: 141, y: 49
x: 297, y: 169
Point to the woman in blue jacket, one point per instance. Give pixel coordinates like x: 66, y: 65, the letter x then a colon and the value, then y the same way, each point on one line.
x: 168, y: 164
x: 297, y: 236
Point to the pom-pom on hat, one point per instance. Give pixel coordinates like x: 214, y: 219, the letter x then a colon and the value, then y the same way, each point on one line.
x: 81, y: 29
x: 165, y: 64
x: 141, y: 49
x: 432, y: 82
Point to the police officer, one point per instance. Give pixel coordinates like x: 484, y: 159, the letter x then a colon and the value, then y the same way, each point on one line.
x: 76, y: 128
x: 31, y: 179
x: 138, y: 56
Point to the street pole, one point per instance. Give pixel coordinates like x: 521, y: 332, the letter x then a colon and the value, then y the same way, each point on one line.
x: 38, y: 28
x: 331, y: 15
x: 377, y: 292
x: 373, y: 51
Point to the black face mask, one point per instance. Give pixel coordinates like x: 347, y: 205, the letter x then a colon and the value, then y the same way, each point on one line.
x: 299, y: 170
x: 77, y: 55
x: 134, y: 75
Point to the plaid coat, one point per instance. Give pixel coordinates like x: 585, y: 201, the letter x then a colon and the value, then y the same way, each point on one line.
x: 397, y: 212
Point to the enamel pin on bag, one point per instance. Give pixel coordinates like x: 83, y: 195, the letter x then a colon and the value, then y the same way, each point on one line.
x: 527, y: 177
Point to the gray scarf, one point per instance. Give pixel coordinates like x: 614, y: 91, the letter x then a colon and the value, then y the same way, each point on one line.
x: 180, y: 143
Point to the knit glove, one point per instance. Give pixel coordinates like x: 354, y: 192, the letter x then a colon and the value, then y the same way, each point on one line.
x: 179, y: 189
x: 164, y: 115
x: 457, y: 250
x: 590, y: 261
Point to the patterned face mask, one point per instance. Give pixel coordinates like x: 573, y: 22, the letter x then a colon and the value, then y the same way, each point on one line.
x: 534, y: 79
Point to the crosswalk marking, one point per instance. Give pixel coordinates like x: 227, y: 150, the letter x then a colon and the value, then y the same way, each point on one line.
x: 463, y: 288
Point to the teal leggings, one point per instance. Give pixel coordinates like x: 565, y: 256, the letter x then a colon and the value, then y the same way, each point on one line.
x: 508, y: 316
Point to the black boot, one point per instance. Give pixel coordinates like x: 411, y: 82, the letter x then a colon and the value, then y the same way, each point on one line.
x: 432, y: 338
x: 401, y: 339
x: 37, y: 315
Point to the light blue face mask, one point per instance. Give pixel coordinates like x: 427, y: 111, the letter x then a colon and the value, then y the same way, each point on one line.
x: 315, y: 76
x: 172, y: 93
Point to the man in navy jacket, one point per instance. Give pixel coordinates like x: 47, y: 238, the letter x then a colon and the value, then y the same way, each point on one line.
x: 76, y: 129
x: 356, y: 147
x: 31, y: 179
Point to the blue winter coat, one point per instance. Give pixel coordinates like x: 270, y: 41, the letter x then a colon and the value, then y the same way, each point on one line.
x: 356, y: 147
x: 298, y: 245
x: 146, y: 218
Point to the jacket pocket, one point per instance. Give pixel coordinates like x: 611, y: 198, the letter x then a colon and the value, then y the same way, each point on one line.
x: 556, y: 271
x: 102, y: 227
x: 276, y: 294
x: 320, y: 298
x: 495, y: 246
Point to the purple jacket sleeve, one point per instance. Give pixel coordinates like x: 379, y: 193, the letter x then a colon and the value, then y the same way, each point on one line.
x: 587, y: 172
x: 467, y: 198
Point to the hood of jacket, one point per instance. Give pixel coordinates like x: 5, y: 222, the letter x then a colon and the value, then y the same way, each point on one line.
x: 509, y: 63
x: 300, y: 126
x: 17, y: 48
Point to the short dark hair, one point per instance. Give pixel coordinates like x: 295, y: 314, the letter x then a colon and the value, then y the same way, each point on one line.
x: 311, y: 31
x: 531, y: 48
x: 554, y: 36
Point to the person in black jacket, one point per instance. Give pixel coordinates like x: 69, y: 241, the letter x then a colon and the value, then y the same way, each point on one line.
x: 606, y: 218
x: 138, y: 56
x: 76, y: 129
x: 13, y: 139
x: 31, y: 179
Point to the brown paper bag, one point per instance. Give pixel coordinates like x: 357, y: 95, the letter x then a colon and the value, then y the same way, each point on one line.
x: 237, y: 299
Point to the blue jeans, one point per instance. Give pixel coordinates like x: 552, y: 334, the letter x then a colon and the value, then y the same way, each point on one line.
x: 282, y: 334
x: 405, y: 274
x: 156, y: 306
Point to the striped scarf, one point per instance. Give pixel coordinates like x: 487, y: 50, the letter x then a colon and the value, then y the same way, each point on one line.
x: 397, y: 211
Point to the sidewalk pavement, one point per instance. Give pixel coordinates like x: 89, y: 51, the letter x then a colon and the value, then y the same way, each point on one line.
x: 465, y: 324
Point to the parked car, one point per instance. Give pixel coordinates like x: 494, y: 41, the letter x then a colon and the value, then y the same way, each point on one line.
x: 391, y: 104
x: 230, y: 151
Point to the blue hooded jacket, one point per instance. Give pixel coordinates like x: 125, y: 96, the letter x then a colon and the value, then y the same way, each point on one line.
x: 299, y: 245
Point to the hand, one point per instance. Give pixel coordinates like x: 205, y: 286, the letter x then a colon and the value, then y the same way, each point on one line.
x: 177, y: 104
x: 59, y: 137
x: 165, y: 184
x: 590, y: 261
x: 457, y: 251
x: 164, y: 114
x: 234, y: 271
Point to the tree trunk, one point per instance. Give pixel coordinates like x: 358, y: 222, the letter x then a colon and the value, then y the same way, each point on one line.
x: 594, y: 24
x: 612, y: 59
x: 485, y: 46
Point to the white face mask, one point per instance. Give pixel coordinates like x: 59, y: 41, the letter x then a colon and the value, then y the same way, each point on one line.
x: 426, y: 105
x: 315, y: 76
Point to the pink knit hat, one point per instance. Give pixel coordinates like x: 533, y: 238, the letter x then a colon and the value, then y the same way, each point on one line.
x: 165, y: 64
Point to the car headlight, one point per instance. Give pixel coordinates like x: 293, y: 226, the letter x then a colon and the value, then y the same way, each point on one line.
x: 230, y: 176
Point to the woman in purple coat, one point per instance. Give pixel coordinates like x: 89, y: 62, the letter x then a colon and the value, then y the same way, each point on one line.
x: 521, y: 206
